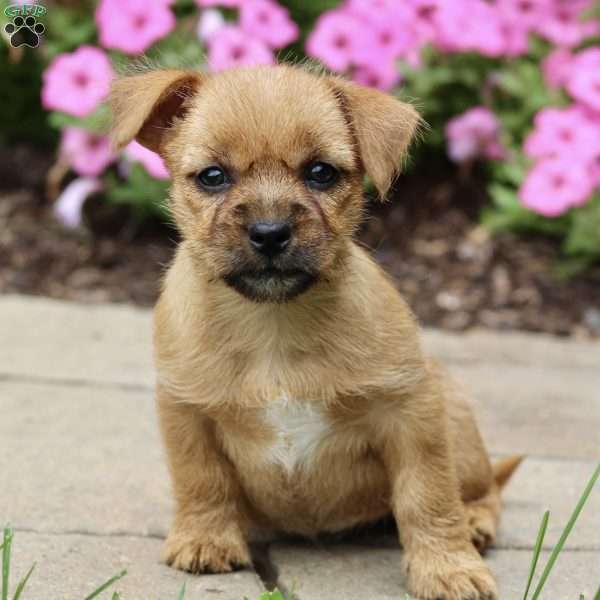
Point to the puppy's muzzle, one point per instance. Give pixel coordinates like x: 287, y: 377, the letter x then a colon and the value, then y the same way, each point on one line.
x: 270, y: 238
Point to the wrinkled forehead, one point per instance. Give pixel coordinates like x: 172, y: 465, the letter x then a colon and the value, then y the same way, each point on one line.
x: 240, y: 118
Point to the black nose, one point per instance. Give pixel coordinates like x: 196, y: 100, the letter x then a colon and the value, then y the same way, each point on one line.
x: 270, y: 239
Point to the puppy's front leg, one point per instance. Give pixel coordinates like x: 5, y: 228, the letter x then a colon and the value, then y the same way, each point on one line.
x: 207, y: 534
x: 439, y: 557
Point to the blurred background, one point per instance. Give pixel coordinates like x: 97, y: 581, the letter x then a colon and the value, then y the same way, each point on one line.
x: 495, y: 222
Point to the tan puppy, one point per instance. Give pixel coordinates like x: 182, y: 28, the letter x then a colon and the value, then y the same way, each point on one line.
x: 292, y: 391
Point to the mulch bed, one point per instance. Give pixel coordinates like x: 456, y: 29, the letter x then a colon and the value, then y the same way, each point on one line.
x: 452, y: 272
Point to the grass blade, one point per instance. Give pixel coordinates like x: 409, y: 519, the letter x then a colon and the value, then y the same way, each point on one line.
x: 565, y: 534
x: 6, y: 544
x: 106, y: 585
x: 116, y: 596
x: 597, y: 596
x: 22, y: 583
x: 538, y: 549
x: 182, y: 592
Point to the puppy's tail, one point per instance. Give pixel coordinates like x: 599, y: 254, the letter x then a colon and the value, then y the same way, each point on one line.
x: 504, y: 469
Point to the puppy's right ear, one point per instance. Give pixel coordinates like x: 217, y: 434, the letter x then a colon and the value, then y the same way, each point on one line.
x: 144, y: 106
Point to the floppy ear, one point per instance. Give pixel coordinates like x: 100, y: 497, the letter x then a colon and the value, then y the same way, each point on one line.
x: 383, y: 127
x: 144, y: 106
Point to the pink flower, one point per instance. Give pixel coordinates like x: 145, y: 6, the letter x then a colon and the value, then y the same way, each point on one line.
x: 69, y: 204
x: 336, y: 39
x: 230, y: 47
x: 555, y: 185
x: 151, y: 161
x: 557, y: 67
x: 564, y: 26
x: 76, y: 83
x: 86, y: 153
x: 584, y: 81
x: 474, y: 133
x: 226, y: 3
x: 426, y: 18
x: 470, y: 25
x: 526, y: 13
x: 211, y: 20
x: 132, y: 26
x: 383, y: 75
x: 564, y: 132
x: 386, y: 37
x: 269, y: 22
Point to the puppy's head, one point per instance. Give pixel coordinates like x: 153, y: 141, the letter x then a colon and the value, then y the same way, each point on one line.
x: 267, y: 166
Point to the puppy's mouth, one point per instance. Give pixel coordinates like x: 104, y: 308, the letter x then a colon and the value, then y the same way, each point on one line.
x: 271, y: 284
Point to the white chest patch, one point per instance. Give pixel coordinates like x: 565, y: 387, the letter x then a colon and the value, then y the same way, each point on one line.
x: 300, y: 428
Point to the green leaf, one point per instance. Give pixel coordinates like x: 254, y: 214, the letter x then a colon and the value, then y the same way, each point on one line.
x: 182, y: 592
x: 597, y: 596
x: 146, y: 195
x: 584, y: 235
x: 106, y: 585
x: 23, y: 583
x: 6, y: 547
x: 97, y: 122
x: 537, y: 550
x: 565, y: 534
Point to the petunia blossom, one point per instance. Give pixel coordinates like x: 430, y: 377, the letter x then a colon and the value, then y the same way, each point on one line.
x: 583, y: 82
x: 77, y: 82
x: 567, y: 132
x: 230, y: 47
x: 475, y: 133
x: 132, y: 26
x: 383, y: 75
x: 210, y: 21
x: 557, y: 67
x: 151, y: 161
x: 336, y: 39
x: 269, y: 22
x: 68, y: 206
x: 555, y: 185
x: 85, y: 152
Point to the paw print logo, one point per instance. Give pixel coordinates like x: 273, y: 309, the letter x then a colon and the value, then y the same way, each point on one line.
x: 24, y: 32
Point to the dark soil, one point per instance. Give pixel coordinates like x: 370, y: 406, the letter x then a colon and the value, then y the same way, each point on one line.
x: 452, y: 272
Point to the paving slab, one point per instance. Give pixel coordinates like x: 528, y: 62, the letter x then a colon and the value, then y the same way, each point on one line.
x: 90, y: 459
x: 106, y: 344
x: 506, y: 348
x: 534, y: 410
x: 69, y: 567
x: 348, y: 572
x: 81, y: 459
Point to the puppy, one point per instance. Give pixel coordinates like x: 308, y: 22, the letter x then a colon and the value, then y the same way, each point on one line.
x: 292, y: 391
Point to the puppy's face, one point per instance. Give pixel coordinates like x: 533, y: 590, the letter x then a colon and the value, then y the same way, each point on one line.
x: 267, y: 171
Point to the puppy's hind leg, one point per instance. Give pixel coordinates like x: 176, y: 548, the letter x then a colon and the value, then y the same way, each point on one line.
x: 483, y: 514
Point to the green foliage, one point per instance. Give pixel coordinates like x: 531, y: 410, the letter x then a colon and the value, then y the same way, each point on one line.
x: 98, y: 122
x: 145, y: 194
x: 562, y: 539
x: 22, y: 117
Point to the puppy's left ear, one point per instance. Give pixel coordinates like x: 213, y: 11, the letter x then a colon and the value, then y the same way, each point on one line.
x: 146, y: 105
x: 383, y: 128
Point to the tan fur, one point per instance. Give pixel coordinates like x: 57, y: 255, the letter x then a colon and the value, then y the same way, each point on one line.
x: 345, y: 353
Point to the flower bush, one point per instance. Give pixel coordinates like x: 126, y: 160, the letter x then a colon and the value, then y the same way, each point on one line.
x: 514, y: 84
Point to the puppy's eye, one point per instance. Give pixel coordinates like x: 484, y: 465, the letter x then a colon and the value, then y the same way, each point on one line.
x: 213, y: 179
x: 321, y: 175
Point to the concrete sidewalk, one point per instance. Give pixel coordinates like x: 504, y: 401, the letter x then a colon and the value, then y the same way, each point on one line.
x: 84, y: 485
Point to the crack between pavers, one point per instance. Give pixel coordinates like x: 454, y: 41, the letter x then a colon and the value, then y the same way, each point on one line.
x: 76, y: 383
x: 92, y: 534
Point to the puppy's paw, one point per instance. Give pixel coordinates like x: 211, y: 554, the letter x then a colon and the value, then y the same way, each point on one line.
x: 483, y: 531
x: 450, y: 576
x: 216, y: 553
